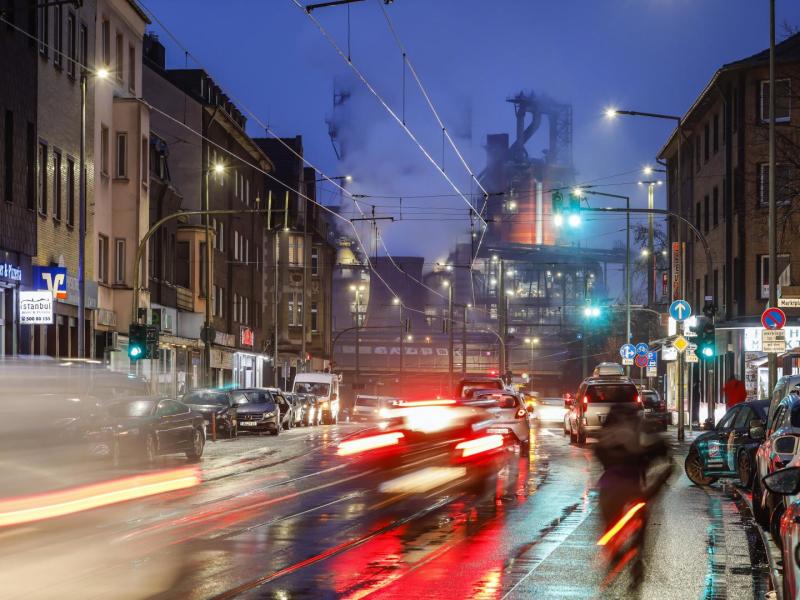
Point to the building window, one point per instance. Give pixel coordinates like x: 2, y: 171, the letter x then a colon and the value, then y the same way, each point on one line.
x: 314, y: 318
x: 235, y: 306
x: 784, y: 273
x: 715, y: 206
x: 707, y: 140
x: 716, y: 133
x: 235, y: 245
x: 296, y: 309
x: 104, y: 150
x: 715, y: 285
x: 119, y: 268
x: 783, y: 183
x: 203, y: 261
x: 247, y: 192
x: 57, y: 185
x: 42, y: 191
x: 8, y: 156
x: 144, y: 161
x: 71, y: 44
x: 70, y: 192
x: 215, y: 294
x: 246, y: 318
x: 132, y: 69
x: 58, y: 35
x: 222, y: 236
x: 122, y: 155
x: 44, y: 29
x: 120, y: 51
x: 296, y: 251
x: 106, y: 34
x: 314, y: 261
x: 783, y: 100
x: 705, y: 213
x: 102, y: 259
x: 220, y: 300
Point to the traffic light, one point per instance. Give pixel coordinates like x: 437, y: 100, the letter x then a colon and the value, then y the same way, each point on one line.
x: 137, y: 341
x: 706, y: 341
x: 592, y: 312
x: 566, y: 211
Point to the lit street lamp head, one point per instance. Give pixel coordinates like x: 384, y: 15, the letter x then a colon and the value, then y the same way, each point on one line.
x: 102, y: 73
x: 395, y: 300
x: 611, y: 113
x: 219, y: 168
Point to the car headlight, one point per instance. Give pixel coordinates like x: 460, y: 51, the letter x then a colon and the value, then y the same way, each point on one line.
x: 268, y: 415
x: 326, y: 404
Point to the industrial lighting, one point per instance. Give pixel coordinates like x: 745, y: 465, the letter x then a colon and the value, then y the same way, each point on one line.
x: 527, y: 340
x: 352, y: 288
x: 469, y: 305
x: 577, y: 190
x: 645, y: 252
x: 409, y: 338
x: 495, y: 258
x: 663, y: 252
x: 535, y: 340
x: 558, y: 274
x: 493, y: 281
x: 102, y: 73
x: 512, y: 205
x: 361, y: 288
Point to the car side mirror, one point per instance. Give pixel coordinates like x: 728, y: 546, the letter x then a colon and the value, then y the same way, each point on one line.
x: 785, y: 482
x: 757, y: 430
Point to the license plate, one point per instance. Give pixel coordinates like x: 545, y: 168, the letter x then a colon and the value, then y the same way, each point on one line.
x: 648, y: 411
x: 247, y: 423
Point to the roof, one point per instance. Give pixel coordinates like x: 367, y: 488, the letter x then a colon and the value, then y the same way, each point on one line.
x: 138, y: 9
x: 787, y: 51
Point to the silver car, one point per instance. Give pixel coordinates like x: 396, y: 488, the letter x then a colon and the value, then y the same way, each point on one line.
x: 595, y: 398
x: 372, y: 408
x: 511, y: 418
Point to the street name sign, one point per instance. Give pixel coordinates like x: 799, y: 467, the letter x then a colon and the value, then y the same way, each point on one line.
x: 789, y: 302
x: 790, y: 296
x: 680, y: 310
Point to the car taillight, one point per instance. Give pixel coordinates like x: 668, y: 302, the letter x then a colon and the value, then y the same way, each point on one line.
x: 521, y: 413
x: 586, y: 400
x: 638, y: 399
x: 480, y: 445
x: 372, y: 442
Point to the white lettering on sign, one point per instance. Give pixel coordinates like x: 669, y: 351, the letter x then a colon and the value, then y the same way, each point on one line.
x: 9, y: 271
x: 35, y: 308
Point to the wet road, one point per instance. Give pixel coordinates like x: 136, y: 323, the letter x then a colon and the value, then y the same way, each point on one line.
x: 287, y: 518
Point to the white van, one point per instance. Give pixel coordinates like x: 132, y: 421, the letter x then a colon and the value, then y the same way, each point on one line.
x: 325, y: 386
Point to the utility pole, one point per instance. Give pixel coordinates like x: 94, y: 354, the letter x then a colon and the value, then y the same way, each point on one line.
x: 450, y: 346
x: 651, y: 272
x: 82, y: 225
x: 773, y: 240
x: 464, y: 343
x: 501, y: 316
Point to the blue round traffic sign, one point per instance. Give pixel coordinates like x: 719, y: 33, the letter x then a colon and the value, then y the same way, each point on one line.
x: 773, y: 318
x: 627, y: 351
x: 642, y: 349
x: 680, y: 310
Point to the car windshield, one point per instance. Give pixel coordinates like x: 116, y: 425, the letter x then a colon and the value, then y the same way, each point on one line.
x: 650, y: 399
x: 312, y: 387
x: 256, y: 397
x: 205, y: 397
x: 611, y: 394
x: 361, y: 401
x: 138, y: 408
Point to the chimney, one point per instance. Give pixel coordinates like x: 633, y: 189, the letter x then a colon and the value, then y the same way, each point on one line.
x: 154, y: 51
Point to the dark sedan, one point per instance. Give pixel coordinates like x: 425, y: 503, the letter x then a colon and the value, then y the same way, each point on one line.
x: 142, y: 429
x: 718, y: 453
x: 257, y: 410
x: 217, y: 407
x: 655, y: 414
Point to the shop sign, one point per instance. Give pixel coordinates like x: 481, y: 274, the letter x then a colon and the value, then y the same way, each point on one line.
x: 676, y: 269
x: 12, y: 272
x: 51, y: 279
x: 247, y: 337
x: 224, y: 339
x: 221, y: 359
x: 35, y: 308
x: 73, y: 293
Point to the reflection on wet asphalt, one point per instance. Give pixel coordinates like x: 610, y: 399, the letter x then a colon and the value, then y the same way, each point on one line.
x: 286, y: 518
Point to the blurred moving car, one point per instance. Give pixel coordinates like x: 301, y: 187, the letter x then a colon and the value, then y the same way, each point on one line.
x: 311, y: 415
x: 325, y: 386
x: 467, y: 387
x: 728, y: 450
x: 145, y: 428
x: 594, y: 400
x: 257, y: 411
x: 785, y: 483
x: 550, y: 410
x: 217, y: 405
x: 510, y: 417
x: 780, y: 445
x: 654, y: 411
x: 371, y: 408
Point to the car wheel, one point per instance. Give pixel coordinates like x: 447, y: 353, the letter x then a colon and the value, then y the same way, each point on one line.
x: 760, y: 513
x: 693, y: 466
x: 775, y: 524
x: 566, y: 430
x: 198, y: 443
x: 573, y: 439
x: 581, y: 438
x: 744, y: 468
x: 149, y: 450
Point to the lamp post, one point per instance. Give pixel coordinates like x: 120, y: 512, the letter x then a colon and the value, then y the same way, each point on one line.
x: 449, y: 324
x: 611, y: 113
x: 100, y: 74
x: 651, y: 271
x: 532, y: 342
x: 218, y: 169
x: 357, y: 290
x: 396, y: 301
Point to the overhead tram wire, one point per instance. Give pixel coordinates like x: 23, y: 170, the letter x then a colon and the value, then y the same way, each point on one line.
x: 269, y: 130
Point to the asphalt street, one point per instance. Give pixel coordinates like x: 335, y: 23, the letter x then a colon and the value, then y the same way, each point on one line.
x: 285, y: 517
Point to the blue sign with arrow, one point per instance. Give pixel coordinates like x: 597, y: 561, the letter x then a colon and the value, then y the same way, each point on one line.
x: 627, y: 351
x: 680, y: 310
x: 642, y: 349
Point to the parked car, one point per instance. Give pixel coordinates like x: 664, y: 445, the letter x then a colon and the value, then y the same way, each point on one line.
x: 296, y: 410
x: 257, y: 411
x: 467, y: 386
x: 781, y: 444
x: 145, y: 428
x: 510, y: 417
x: 728, y: 450
x: 786, y: 484
x: 594, y: 400
x: 217, y: 405
x: 654, y: 410
x: 783, y: 386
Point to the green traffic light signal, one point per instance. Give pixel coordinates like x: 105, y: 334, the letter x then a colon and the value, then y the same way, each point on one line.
x: 707, y: 351
x: 566, y: 211
x: 134, y: 351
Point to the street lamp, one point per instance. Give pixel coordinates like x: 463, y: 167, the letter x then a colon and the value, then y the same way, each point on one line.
x: 217, y: 169
x: 449, y: 325
x: 99, y: 74
x: 532, y: 342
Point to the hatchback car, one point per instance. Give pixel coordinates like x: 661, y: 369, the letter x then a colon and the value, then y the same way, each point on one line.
x: 781, y: 444
x: 216, y: 406
x: 466, y: 387
x: 728, y: 450
x: 257, y: 411
x: 511, y: 418
x: 595, y: 398
x: 786, y: 484
x: 654, y: 410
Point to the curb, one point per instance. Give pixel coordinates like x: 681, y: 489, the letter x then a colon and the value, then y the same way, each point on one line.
x: 775, y: 574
